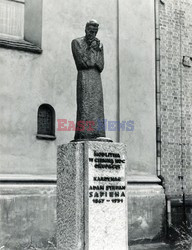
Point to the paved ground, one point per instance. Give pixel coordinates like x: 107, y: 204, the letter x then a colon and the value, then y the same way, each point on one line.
x: 159, y: 246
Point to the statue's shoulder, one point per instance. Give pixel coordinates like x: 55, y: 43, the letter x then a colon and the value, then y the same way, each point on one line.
x: 79, y: 40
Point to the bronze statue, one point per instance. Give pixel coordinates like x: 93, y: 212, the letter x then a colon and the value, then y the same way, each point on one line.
x: 89, y: 59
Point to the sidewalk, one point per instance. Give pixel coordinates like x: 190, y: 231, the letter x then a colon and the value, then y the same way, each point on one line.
x: 157, y: 246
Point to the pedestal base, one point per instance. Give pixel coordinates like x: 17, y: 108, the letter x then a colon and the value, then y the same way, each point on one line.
x: 91, y: 196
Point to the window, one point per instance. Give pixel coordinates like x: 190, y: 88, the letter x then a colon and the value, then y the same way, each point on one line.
x: 46, y: 122
x: 12, y: 18
x: 21, y: 24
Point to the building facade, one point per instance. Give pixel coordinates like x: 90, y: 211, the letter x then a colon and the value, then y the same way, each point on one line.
x: 146, y: 80
x: 175, y: 106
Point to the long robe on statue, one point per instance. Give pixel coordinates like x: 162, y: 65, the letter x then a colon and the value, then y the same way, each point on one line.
x: 90, y: 110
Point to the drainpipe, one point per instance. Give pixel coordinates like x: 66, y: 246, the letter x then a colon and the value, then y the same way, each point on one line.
x: 158, y: 106
x: 158, y: 103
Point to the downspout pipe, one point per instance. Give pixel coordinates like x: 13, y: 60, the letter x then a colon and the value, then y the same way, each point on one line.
x: 158, y: 93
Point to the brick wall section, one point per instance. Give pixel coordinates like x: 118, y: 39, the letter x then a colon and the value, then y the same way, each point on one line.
x: 176, y: 95
x: 187, y: 95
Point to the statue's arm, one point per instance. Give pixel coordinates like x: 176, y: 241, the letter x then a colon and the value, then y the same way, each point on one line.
x: 79, y: 55
x: 100, y: 59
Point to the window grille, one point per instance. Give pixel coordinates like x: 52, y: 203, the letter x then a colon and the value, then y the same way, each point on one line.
x: 46, y: 120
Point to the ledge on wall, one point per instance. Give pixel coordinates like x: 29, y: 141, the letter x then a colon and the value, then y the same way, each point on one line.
x: 19, y: 45
x: 27, y: 179
x: 46, y: 137
x: 144, y: 179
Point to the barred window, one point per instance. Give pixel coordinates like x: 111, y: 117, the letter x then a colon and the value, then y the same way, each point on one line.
x: 12, y: 18
x: 46, y: 122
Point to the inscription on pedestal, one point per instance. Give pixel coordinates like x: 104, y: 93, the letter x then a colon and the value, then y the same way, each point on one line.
x: 107, y: 188
x: 107, y: 204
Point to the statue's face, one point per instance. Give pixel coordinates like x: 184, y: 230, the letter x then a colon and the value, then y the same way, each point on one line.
x: 91, y: 32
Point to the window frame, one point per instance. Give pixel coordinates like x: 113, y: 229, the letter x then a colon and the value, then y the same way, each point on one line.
x: 23, y: 44
x: 47, y: 136
x: 12, y: 11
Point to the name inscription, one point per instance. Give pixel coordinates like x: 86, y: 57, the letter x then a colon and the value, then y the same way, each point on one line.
x: 106, y: 189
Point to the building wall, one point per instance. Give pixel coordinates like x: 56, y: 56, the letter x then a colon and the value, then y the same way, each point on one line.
x: 137, y: 84
x: 28, y: 80
x: 176, y: 95
x: 28, y: 216
x: 137, y: 80
x: 28, y: 165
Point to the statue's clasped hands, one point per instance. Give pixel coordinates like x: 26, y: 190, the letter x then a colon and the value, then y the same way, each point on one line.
x: 96, y: 45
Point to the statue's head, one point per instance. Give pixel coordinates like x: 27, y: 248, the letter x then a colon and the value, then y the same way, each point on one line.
x: 91, y: 29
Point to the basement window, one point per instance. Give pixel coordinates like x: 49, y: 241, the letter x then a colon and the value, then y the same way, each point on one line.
x: 21, y: 25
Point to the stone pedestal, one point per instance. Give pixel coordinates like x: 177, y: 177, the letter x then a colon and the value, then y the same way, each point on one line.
x: 91, y: 196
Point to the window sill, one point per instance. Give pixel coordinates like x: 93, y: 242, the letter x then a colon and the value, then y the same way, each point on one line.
x: 46, y: 137
x: 19, y: 45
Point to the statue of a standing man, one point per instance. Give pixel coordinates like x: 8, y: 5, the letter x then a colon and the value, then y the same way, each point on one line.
x: 89, y: 60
